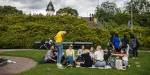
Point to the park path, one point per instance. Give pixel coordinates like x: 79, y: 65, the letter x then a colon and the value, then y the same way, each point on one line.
x: 21, y: 65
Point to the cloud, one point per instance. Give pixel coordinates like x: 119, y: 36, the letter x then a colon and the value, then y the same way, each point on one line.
x: 84, y: 7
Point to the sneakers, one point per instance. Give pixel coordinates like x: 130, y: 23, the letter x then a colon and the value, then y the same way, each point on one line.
x: 59, y: 66
x: 69, y: 65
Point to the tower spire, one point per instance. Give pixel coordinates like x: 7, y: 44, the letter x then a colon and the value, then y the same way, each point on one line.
x: 50, y: 8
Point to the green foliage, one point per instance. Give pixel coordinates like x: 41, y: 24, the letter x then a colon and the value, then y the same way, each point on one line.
x: 9, y: 10
x: 106, y: 11
x: 67, y: 11
x: 21, y: 31
x: 138, y: 6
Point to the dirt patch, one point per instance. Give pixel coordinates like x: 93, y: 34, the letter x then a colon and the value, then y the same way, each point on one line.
x: 22, y: 64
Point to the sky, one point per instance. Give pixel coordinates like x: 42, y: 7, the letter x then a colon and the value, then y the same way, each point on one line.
x: 84, y: 7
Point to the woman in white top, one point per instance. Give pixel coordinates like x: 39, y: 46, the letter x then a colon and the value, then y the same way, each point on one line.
x: 70, y: 55
x: 92, y: 53
x: 81, y: 51
x: 99, y: 57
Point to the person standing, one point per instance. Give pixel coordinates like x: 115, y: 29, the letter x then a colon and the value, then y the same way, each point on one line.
x: 116, y: 43
x: 59, y: 46
x: 134, y: 44
x: 124, y: 42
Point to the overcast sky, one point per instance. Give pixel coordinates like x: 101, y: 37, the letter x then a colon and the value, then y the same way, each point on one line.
x: 84, y: 7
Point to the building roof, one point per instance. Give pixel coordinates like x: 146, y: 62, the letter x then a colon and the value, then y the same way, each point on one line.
x: 50, y: 6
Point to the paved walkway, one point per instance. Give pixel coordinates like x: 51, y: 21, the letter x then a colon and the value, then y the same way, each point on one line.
x: 21, y: 65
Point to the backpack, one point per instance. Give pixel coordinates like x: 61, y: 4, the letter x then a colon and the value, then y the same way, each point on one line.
x: 118, y: 64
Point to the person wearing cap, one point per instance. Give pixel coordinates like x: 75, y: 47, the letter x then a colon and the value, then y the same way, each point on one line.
x: 59, y: 46
x: 70, y: 55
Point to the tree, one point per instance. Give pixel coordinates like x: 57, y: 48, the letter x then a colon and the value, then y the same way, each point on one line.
x: 138, y: 6
x: 9, y: 10
x: 141, y: 10
x: 109, y: 7
x: 106, y: 11
x: 67, y: 11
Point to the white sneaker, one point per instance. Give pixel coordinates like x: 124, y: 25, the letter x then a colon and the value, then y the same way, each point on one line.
x: 59, y: 66
x: 10, y: 61
x: 108, y: 67
x: 77, y: 66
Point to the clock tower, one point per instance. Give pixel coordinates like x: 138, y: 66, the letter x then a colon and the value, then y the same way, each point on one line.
x: 50, y: 9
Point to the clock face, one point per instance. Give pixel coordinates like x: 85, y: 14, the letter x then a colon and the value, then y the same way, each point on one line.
x: 49, y: 7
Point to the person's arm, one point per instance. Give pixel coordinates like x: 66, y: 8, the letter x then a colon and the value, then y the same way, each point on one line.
x: 67, y: 52
x: 73, y: 55
x: 78, y: 52
x: 120, y: 55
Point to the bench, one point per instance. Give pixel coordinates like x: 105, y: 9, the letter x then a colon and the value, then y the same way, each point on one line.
x: 76, y: 45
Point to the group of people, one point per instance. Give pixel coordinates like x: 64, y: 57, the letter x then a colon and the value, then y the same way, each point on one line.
x: 114, y: 56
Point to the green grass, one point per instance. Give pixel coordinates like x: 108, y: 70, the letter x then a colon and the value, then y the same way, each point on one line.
x: 50, y: 69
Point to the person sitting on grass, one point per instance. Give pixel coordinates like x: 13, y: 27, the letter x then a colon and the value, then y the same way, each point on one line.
x: 86, y: 59
x: 70, y: 55
x: 80, y: 51
x: 121, y: 61
x: 50, y: 56
x: 99, y: 57
x: 125, y: 57
x: 92, y: 53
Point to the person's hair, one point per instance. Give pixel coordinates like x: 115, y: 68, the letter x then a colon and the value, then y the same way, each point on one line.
x: 132, y: 36
x: 52, y: 48
x: 116, y: 34
x: 82, y: 46
x: 70, y: 45
x: 86, y: 51
x: 98, y: 47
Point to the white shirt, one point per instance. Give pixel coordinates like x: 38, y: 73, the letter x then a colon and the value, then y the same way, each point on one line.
x: 48, y: 55
x: 125, y: 58
x: 80, y: 52
x: 99, y: 55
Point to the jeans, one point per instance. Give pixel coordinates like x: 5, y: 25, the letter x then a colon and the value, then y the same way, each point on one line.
x: 135, y: 52
x: 69, y: 59
x: 100, y: 64
x: 125, y: 63
x: 59, y: 48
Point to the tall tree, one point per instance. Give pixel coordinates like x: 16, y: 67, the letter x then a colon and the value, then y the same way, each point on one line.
x: 138, y: 6
x: 67, y: 11
x: 106, y: 11
x: 9, y: 10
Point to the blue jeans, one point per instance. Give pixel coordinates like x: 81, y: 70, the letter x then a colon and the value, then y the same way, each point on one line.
x: 100, y: 64
x: 69, y: 59
x: 125, y: 63
x: 59, y: 48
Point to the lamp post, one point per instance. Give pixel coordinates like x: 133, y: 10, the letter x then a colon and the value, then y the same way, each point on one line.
x: 131, y: 15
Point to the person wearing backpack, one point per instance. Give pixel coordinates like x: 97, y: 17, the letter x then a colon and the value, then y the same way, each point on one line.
x: 134, y: 44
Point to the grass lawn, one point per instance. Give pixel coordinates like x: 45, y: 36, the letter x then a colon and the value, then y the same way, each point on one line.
x: 50, y: 69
